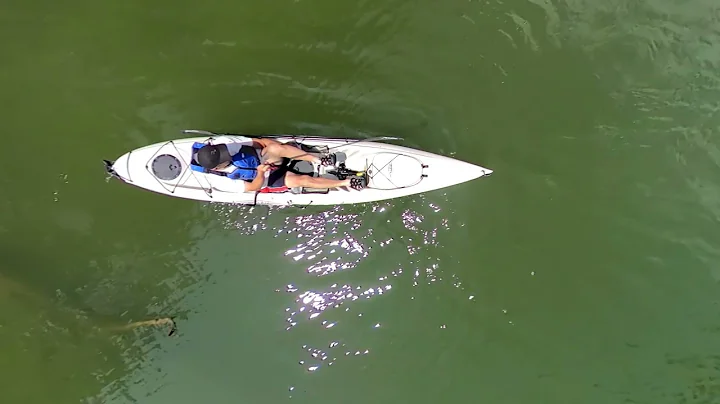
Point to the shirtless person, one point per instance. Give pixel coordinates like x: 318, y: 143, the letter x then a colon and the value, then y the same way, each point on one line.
x: 248, y: 163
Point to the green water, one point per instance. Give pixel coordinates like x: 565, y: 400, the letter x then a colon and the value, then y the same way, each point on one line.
x: 585, y: 270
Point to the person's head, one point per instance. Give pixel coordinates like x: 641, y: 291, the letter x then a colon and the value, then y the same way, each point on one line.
x: 213, y: 156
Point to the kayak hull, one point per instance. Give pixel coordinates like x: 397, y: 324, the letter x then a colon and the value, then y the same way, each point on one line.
x: 393, y: 172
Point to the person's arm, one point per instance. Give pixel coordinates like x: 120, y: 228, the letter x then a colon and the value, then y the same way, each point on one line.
x: 262, y: 143
x: 257, y: 182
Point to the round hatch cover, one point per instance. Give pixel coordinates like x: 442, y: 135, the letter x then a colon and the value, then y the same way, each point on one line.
x: 166, y: 167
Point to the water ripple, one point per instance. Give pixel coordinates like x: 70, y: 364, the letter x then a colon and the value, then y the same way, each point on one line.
x: 335, y: 241
x: 312, y: 232
x: 333, y: 247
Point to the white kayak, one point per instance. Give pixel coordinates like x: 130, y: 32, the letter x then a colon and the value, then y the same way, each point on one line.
x: 392, y: 171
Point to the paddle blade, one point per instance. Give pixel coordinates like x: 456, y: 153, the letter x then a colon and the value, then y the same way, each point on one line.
x: 384, y: 138
x: 199, y: 132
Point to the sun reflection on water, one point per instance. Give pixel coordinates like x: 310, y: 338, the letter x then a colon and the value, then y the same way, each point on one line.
x: 329, y: 246
x: 313, y: 233
x: 334, y: 243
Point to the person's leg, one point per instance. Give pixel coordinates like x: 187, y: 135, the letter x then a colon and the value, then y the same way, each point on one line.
x: 275, y: 151
x: 293, y: 180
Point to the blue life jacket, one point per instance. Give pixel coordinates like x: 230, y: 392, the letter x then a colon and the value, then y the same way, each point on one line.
x: 246, y: 161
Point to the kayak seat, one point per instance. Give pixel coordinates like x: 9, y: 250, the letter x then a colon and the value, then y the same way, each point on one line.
x: 306, y: 168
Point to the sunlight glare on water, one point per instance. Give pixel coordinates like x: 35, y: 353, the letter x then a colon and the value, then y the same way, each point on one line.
x: 335, y: 244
